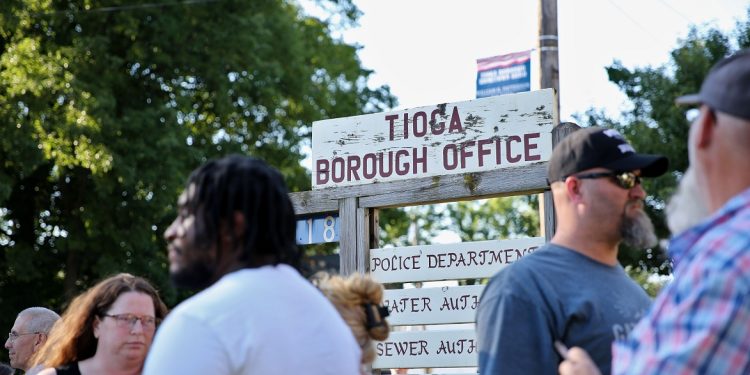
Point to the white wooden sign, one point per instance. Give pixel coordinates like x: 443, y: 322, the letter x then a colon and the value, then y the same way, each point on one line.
x: 463, y: 260
x: 415, y: 349
x: 442, y: 305
x: 477, y: 135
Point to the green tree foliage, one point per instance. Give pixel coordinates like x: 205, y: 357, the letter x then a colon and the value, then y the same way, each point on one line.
x: 107, y: 105
x: 497, y: 218
x: 655, y: 124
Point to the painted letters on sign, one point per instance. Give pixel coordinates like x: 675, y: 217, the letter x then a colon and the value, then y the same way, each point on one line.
x: 463, y: 260
x: 442, y: 305
x: 455, y: 348
x: 472, y: 136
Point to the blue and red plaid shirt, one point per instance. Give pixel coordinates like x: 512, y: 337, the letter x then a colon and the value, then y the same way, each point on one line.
x: 700, y: 322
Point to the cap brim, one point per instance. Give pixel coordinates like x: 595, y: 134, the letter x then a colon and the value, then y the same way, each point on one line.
x: 650, y: 165
x: 688, y: 99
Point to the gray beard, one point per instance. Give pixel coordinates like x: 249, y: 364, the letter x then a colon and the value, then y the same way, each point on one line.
x: 687, y: 207
x: 638, y: 231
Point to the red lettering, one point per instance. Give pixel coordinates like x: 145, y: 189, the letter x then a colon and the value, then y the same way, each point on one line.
x: 455, y: 126
x: 448, y: 165
x: 508, y: 156
x: 528, y: 146
x: 353, y: 167
x: 498, y: 154
x: 321, y: 175
x: 383, y: 172
x: 337, y: 165
x: 417, y: 131
x: 437, y: 127
x: 373, y: 164
x: 406, y: 125
x: 392, y: 123
x: 482, y: 152
x: 402, y: 168
x: 466, y: 152
x: 417, y: 160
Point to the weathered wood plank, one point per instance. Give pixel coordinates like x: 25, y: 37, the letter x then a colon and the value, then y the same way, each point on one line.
x: 449, y: 138
x: 441, y: 305
x: 416, y: 349
x: 528, y: 179
x: 348, y: 235
x: 363, y: 246
x: 516, y: 181
x: 465, y: 260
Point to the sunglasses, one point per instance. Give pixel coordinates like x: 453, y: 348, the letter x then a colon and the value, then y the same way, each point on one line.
x: 625, y: 180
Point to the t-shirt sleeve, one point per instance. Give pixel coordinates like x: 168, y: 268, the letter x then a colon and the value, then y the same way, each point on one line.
x: 184, y: 345
x: 514, y: 337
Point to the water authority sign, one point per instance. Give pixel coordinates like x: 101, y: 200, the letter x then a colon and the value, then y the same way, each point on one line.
x: 505, y: 74
x: 450, y: 138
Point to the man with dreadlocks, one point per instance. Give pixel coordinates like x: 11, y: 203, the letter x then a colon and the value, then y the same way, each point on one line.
x: 234, y: 238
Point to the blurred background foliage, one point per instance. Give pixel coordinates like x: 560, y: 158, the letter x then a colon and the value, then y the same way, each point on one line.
x: 106, y: 106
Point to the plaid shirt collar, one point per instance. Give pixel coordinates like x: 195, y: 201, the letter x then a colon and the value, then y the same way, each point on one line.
x: 682, y: 244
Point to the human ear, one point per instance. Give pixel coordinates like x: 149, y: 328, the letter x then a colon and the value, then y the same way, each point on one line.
x: 706, y: 127
x: 96, y: 327
x: 573, y: 188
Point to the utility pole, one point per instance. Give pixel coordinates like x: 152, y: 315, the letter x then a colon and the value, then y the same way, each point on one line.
x: 549, y: 65
x: 549, y: 69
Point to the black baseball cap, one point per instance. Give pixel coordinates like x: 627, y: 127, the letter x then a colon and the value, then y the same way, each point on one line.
x: 726, y: 87
x: 597, y: 147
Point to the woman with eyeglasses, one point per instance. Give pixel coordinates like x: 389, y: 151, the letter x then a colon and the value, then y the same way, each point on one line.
x: 106, y: 330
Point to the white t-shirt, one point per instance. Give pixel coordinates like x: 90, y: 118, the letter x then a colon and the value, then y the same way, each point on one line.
x: 267, y: 320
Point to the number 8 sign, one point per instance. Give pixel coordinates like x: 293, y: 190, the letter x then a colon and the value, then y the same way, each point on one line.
x: 318, y: 229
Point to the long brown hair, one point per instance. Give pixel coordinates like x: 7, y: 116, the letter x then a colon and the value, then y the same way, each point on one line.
x: 72, y: 338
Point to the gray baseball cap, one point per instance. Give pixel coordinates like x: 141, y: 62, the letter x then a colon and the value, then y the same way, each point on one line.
x: 726, y: 87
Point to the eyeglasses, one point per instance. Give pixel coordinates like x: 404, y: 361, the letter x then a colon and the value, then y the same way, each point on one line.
x: 129, y: 320
x: 625, y: 180
x: 692, y: 113
x: 12, y: 336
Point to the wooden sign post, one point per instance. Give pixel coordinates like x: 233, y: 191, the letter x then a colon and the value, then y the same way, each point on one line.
x: 489, y: 147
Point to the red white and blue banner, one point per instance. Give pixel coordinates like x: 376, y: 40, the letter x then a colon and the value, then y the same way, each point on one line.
x: 504, y: 74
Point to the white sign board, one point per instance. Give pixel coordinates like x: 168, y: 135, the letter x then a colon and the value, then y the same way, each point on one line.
x: 465, y: 260
x: 456, y: 304
x: 472, y: 136
x: 415, y: 349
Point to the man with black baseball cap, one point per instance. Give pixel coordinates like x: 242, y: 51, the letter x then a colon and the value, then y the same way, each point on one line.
x: 700, y: 321
x: 573, y: 290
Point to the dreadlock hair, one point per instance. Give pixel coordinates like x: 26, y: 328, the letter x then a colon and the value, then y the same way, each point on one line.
x: 222, y: 187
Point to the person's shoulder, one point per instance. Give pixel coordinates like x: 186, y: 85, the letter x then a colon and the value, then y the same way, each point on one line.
x: 48, y: 371
x: 516, y: 277
x: 543, y: 257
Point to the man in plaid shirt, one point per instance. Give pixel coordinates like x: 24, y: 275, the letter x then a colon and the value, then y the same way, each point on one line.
x: 700, y: 323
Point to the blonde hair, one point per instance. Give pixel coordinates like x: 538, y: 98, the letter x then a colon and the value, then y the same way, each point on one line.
x: 72, y: 337
x: 351, y: 296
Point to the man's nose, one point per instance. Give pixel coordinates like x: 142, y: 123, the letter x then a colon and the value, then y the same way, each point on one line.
x: 638, y: 192
x: 171, y: 231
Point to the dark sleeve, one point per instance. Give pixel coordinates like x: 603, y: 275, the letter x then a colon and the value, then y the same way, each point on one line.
x: 514, y: 336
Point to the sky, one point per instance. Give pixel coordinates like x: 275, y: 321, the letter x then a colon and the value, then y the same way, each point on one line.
x: 426, y: 50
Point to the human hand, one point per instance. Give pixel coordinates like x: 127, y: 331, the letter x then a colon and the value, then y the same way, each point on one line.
x: 578, y: 362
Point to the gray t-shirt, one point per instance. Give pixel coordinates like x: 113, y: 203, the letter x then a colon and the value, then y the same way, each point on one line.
x: 555, y: 294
